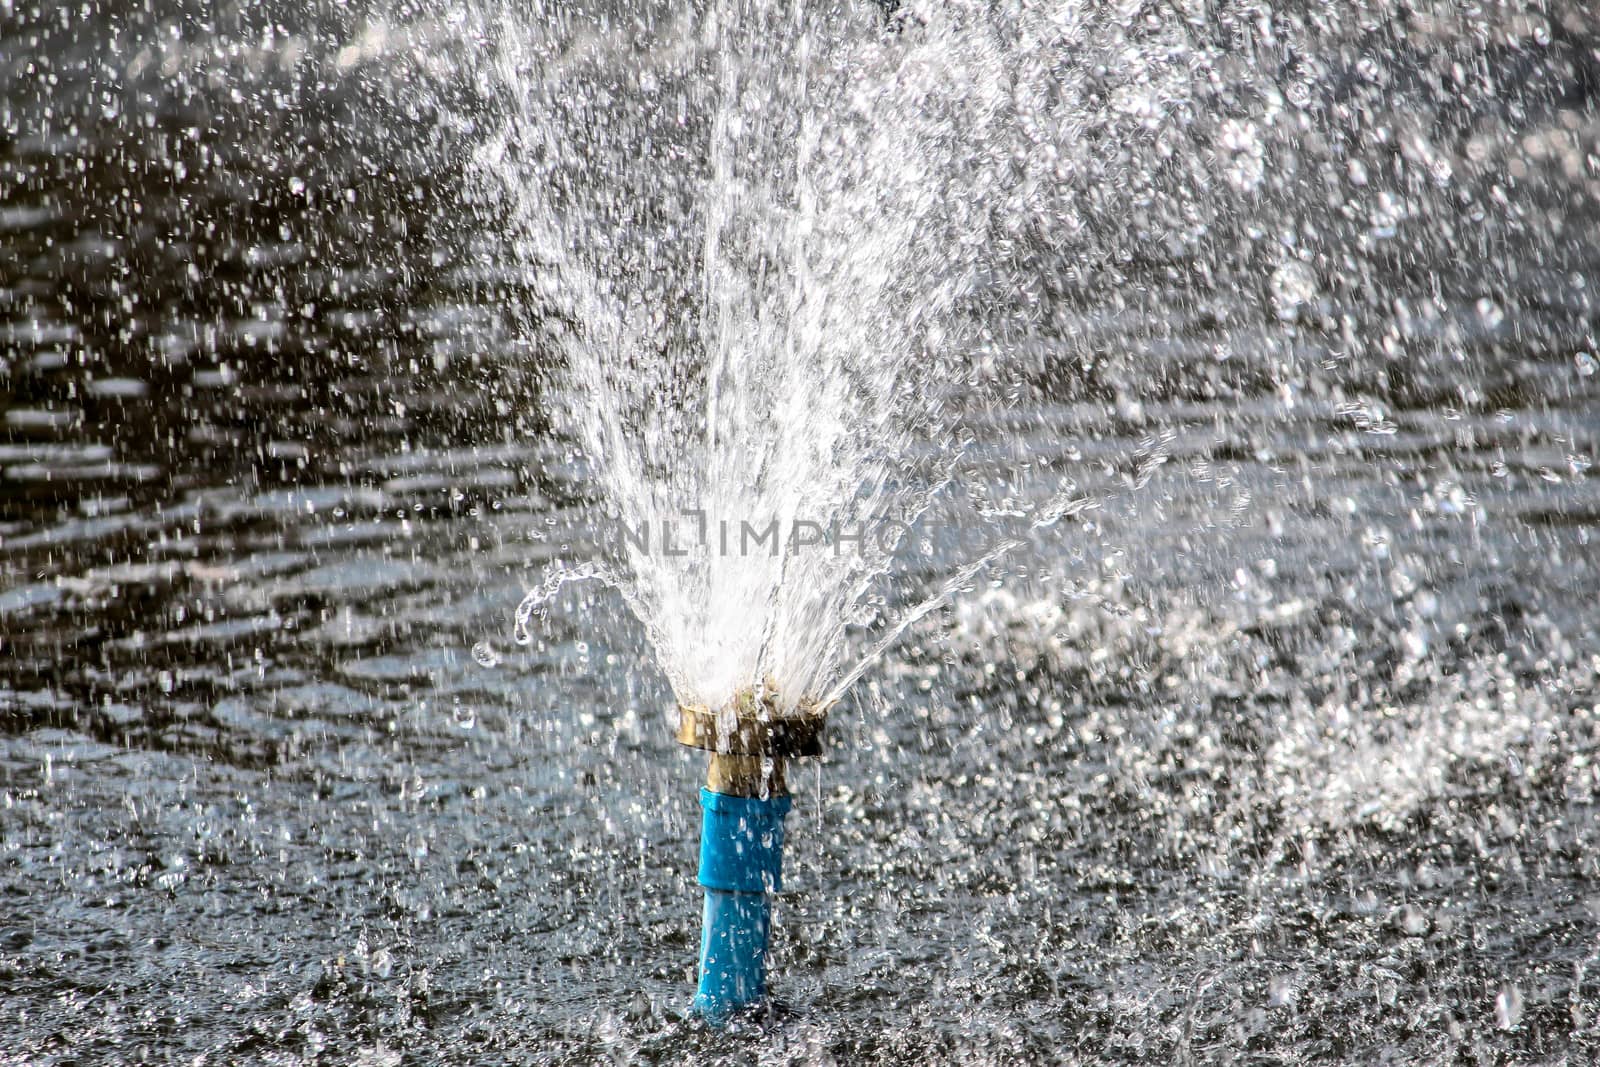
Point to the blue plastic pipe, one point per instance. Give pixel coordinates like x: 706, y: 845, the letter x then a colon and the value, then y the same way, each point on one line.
x: 741, y: 864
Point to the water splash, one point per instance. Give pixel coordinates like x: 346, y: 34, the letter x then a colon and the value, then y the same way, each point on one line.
x: 537, y: 603
x: 749, y: 248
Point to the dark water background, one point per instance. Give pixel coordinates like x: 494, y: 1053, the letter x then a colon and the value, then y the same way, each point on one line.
x: 1286, y: 753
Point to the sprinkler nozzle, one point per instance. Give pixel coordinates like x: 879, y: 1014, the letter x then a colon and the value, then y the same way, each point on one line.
x: 749, y: 740
x: 753, y: 727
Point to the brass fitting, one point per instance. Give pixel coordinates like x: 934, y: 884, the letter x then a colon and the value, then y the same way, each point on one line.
x: 749, y: 740
x: 746, y: 776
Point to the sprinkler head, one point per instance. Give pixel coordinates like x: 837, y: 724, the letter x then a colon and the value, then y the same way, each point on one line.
x: 749, y: 740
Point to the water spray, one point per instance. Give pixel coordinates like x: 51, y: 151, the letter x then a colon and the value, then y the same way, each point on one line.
x: 744, y: 801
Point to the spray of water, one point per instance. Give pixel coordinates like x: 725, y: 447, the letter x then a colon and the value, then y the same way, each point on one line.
x: 749, y: 249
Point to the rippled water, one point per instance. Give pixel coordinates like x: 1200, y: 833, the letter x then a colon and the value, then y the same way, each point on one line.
x: 1284, y: 752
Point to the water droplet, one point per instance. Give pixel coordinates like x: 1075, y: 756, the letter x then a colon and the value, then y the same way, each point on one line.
x: 486, y: 654
x: 1586, y: 362
x: 1508, y: 1007
x: 1293, y: 285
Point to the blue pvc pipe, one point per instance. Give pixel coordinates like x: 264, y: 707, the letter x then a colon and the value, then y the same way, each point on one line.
x: 741, y: 863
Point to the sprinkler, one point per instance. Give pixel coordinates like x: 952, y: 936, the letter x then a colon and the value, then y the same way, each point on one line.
x: 741, y: 836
